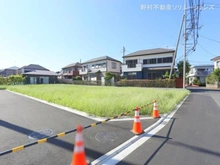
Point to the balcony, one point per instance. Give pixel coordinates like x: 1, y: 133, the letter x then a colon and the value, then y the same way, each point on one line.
x: 138, y: 68
x: 84, y: 71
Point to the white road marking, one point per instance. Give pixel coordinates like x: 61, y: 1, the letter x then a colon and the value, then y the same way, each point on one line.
x: 119, y: 153
x: 76, y: 111
x: 61, y: 107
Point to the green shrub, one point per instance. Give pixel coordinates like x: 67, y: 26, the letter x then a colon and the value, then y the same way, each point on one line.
x: 148, y: 83
x: 78, y: 78
x: 196, y: 81
x: 216, y: 73
x: 210, y: 79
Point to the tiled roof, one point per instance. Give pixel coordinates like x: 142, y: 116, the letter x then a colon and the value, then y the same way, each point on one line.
x: 100, y: 59
x: 71, y: 65
x: 34, y: 67
x: 216, y: 58
x: 42, y: 72
x: 150, y: 52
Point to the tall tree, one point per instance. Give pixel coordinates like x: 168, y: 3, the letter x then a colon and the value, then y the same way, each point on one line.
x: 180, y: 67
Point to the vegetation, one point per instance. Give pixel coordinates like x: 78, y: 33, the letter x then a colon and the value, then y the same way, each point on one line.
x: 12, y: 80
x: 196, y: 81
x: 77, y: 78
x: 210, y: 79
x: 148, y: 83
x: 167, y: 75
x: 104, y: 101
x: 180, y: 68
x: 216, y: 73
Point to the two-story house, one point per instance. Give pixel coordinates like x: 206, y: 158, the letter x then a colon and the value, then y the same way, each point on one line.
x: 200, y: 72
x: 71, y: 70
x: 216, y: 62
x: 9, y: 71
x: 95, y: 69
x: 36, y: 74
x: 147, y: 64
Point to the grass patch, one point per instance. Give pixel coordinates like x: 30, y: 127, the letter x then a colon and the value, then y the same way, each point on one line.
x: 3, y: 87
x: 104, y: 101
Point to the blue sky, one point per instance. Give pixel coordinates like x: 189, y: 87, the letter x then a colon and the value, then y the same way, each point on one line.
x: 55, y: 33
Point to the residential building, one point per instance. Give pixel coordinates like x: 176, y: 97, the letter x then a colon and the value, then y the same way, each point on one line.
x: 36, y: 74
x: 147, y: 64
x: 41, y: 77
x: 200, y: 72
x: 9, y: 71
x: 95, y: 69
x: 71, y: 70
x: 31, y: 67
x: 216, y: 62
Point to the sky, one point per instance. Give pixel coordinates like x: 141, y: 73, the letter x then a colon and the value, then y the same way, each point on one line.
x: 55, y: 33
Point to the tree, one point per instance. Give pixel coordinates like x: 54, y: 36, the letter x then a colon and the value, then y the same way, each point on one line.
x: 216, y: 73
x: 180, y: 68
x: 166, y: 76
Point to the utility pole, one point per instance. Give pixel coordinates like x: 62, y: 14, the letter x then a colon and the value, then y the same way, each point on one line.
x: 177, y: 45
x: 185, y: 38
x: 123, y: 51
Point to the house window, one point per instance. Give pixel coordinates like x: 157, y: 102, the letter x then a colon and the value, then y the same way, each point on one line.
x: 167, y: 59
x: 146, y: 61
x: 131, y: 63
x: 132, y: 75
x: 154, y: 75
x: 113, y: 65
x: 84, y: 68
x: 159, y: 60
x: 153, y: 61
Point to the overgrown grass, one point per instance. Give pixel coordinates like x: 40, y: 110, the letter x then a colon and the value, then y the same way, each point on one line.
x: 104, y: 101
x: 3, y: 87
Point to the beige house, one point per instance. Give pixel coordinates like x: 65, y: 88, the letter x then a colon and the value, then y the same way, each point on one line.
x: 216, y: 62
x: 95, y: 69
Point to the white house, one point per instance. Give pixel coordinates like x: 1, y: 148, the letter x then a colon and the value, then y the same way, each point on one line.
x: 147, y: 64
x: 95, y: 69
x: 200, y: 72
x: 216, y: 62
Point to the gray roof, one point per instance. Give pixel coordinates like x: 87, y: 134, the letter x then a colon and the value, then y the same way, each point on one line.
x: 100, y: 59
x: 195, y: 66
x: 216, y: 58
x: 150, y: 52
x: 13, y: 68
x: 71, y: 65
x: 35, y: 67
x: 42, y: 73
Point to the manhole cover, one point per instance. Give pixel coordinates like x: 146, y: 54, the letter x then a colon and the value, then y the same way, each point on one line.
x: 40, y: 134
x: 106, y: 137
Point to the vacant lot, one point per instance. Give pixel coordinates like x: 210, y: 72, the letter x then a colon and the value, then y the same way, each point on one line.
x: 104, y: 101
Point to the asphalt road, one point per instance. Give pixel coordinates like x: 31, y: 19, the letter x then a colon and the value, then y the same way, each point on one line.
x: 191, y: 137
x: 21, y: 116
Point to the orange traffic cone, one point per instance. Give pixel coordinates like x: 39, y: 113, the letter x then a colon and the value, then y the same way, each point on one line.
x: 155, y: 110
x: 79, y: 156
x: 137, y: 128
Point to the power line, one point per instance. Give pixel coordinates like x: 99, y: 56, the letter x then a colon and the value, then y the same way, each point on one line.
x: 206, y: 50
x: 210, y: 39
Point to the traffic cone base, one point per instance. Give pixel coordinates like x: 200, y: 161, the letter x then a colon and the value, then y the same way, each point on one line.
x: 137, y: 128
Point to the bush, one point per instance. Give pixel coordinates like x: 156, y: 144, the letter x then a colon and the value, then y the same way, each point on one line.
x: 216, y: 73
x: 148, y: 83
x: 196, y: 81
x: 210, y: 79
x: 78, y: 78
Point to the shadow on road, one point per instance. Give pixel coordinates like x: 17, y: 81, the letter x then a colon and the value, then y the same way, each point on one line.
x: 57, y: 142
x: 202, y: 89
x: 165, y: 141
